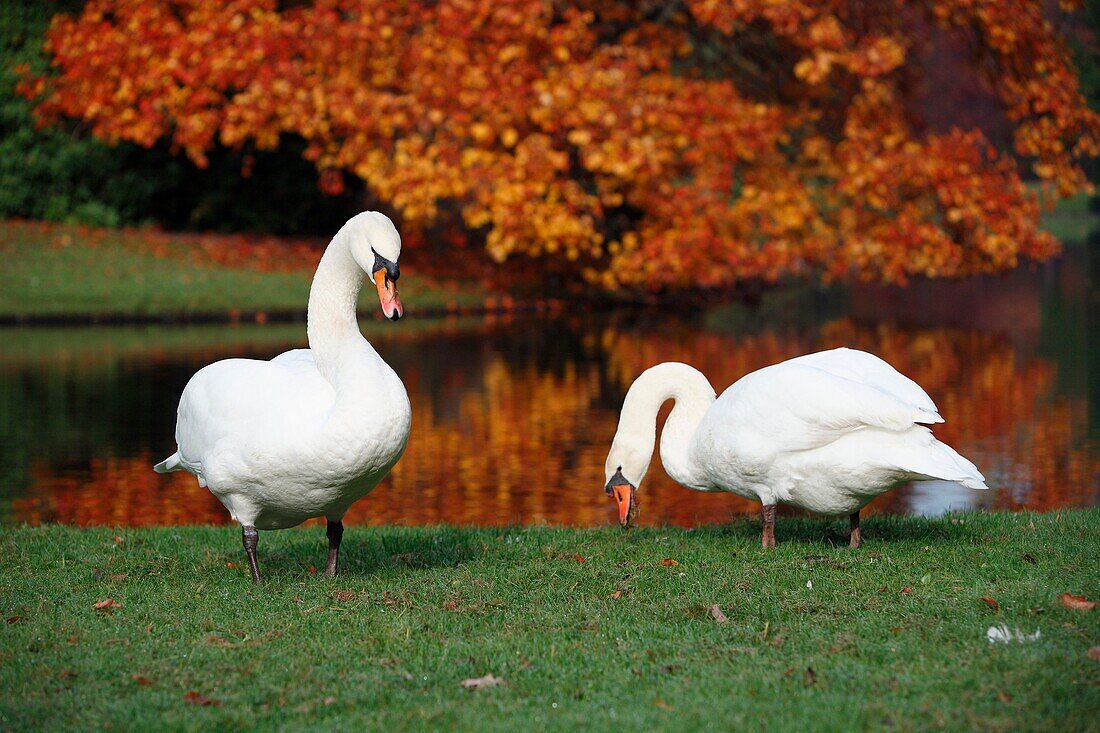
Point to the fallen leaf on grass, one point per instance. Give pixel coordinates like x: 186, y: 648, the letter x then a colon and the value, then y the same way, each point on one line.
x: 230, y: 564
x: 659, y: 703
x: 906, y: 590
x: 1093, y: 653
x: 1004, y: 697
x: 574, y: 557
x: 107, y: 603
x: 1030, y: 558
x: 119, y: 539
x: 991, y: 603
x: 329, y: 700
x: 141, y: 679
x: 312, y: 569
x: 616, y: 595
x: 197, y: 698
x: 810, y: 677
x: 15, y: 619
x: 668, y: 562
x: 118, y: 576
x: 478, y: 683
x: 1076, y: 603
x: 343, y: 596
x: 450, y: 606
x: 717, y: 615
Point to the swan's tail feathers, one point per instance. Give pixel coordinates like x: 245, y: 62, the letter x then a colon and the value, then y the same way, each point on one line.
x: 927, y: 417
x: 941, y: 461
x: 169, y: 464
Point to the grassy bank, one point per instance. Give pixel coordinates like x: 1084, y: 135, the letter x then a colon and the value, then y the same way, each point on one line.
x: 57, y: 270
x: 596, y: 629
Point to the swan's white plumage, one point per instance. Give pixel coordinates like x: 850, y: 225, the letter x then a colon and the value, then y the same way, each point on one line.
x: 826, y: 432
x: 283, y: 440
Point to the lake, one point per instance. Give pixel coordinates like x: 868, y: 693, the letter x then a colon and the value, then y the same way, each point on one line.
x: 513, y: 416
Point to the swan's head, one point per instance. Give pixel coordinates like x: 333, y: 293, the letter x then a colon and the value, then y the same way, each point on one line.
x: 624, y: 470
x: 376, y: 247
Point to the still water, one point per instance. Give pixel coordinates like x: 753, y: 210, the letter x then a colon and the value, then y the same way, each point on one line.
x: 512, y: 417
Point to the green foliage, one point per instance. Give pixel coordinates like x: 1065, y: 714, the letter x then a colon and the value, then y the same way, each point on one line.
x: 589, y: 629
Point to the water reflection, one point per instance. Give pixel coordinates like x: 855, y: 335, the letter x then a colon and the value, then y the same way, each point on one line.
x: 512, y: 418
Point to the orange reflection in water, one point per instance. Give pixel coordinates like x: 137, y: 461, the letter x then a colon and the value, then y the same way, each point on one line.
x: 515, y: 443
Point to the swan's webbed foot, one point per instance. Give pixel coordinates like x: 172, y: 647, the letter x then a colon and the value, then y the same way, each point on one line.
x: 856, y: 539
x: 335, y: 532
x: 767, y: 541
x: 250, y: 537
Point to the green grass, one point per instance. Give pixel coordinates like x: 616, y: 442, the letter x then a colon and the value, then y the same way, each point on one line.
x: 894, y: 633
x: 1071, y: 220
x: 115, y: 278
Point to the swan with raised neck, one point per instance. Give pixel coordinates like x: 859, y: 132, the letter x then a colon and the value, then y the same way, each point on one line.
x: 311, y: 431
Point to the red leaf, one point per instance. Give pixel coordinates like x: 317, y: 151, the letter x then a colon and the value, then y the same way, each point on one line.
x: 15, y: 619
x: 906, y: 590
x: 197, y: 698
x: 1076, y: 603
x: 991, y: 603
x: 669, y: 562
x: 142, y: 680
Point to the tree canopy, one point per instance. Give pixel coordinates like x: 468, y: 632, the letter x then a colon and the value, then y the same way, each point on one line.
x: 653, y: 144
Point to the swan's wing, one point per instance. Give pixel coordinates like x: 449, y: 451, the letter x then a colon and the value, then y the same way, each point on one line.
x: 237, y: 401
x: 868, y: 369
x: 794, y: 407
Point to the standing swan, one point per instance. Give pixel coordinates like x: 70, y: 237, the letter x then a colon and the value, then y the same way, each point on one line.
x: 827, y: 432
x: 313, y: 430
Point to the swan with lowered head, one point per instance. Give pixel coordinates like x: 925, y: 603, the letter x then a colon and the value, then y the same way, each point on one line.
x: 311, y: 431
x: 827, y: 432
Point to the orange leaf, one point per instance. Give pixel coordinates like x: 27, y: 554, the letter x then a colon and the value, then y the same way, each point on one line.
x: 991, y: 603
x: 197, y: 698
x: 107, y: 603
x: 1076, y: 603
x: 669, y: 562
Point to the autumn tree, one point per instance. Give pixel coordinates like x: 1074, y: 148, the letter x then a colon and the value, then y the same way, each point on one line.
x: 653, y: 144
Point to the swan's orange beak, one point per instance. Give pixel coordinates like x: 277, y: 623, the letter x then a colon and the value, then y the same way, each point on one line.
x: 622, y: 491
x: 387, y: 295
x: 624, y: 497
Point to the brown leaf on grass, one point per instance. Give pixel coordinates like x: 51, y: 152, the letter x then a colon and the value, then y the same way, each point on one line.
x: 991, y: 603
x: 141, y: 679
x: 329, y: 700
x: 230, y: 564
x: 668, y: 562
x: 119, y: 539
x: 659, y: 703
x: 1093, y: 653
x: 1076, y: 603
x: 810, y: 678
x: 15, y: 619
x: 1004, y: 697
x: 575, y: 557
x: 312, y: 569
x: 118, y: 576
x: 478, y: 683
x: 616, y: 595
x: 343, y: 596
x: 906, y: 590
x: 197, y: 698
x: 717, y: 615
x: 451, y: 605
x: 107, y: 603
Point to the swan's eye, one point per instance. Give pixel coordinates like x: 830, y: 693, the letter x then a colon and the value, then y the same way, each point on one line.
x: 393, y: 270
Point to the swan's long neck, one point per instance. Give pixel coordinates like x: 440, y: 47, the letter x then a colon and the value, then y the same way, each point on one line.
x: 330, y: 318
x: 693, y: 396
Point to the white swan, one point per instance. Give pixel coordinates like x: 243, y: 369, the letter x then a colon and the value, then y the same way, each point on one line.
x: 827, y: 432
x: 313, y: 430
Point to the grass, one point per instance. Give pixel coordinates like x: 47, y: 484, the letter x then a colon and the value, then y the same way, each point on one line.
x: 1071, y: 220
x: 59, y: 270
x: 892, y: 635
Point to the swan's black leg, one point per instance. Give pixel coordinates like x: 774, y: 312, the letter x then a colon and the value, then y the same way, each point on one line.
x: 335, y: 532
x: 250, y: 537
x: 856, y: 540
x: 768, y: 540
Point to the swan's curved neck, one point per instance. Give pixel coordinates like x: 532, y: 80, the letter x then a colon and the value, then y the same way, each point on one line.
x: 693, y: 396
x: 330, y: 319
